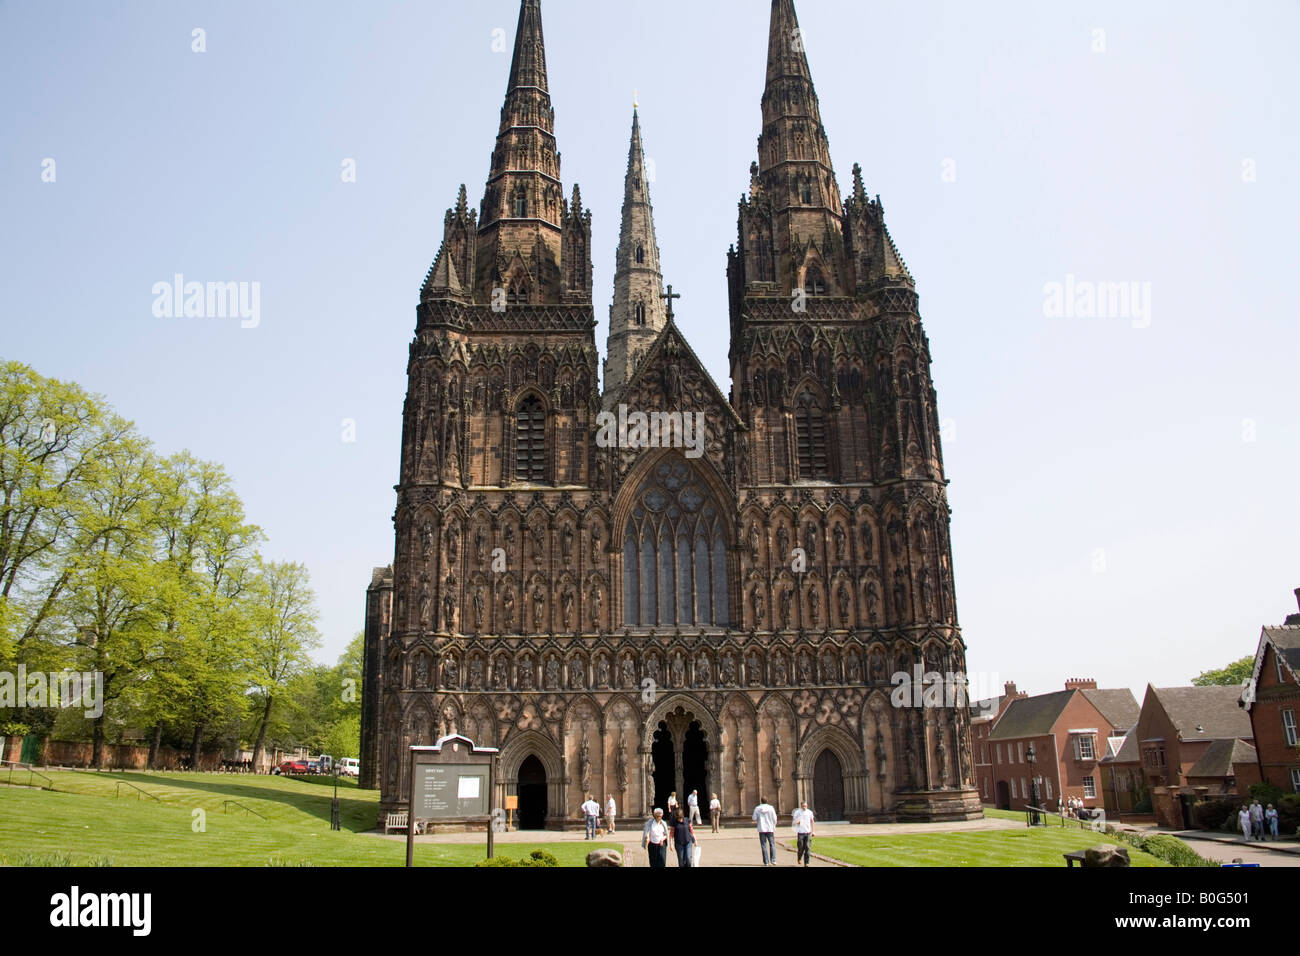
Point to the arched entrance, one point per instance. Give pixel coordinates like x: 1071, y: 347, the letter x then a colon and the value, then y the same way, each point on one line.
x: 1004, y: 796
x: 662, y: 753
x: 532, y: 794
x: 828, y: 787
x: 681, y: 741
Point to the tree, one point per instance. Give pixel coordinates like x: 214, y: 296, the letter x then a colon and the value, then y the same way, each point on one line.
x: 284, y: 615
x: 1236, y: 673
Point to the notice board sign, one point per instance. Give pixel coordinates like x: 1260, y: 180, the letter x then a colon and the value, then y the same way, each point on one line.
x: 453, y: 781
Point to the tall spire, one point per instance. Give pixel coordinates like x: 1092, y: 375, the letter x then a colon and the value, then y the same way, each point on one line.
x: 637, y: 315
x: 523, y: 213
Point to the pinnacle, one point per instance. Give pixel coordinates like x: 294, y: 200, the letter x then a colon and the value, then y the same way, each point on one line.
x: 528, y: 66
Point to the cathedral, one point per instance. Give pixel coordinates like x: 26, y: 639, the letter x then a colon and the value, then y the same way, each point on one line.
x: 635, y: 618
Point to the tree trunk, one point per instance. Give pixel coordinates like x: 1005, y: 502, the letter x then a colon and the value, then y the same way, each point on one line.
x: 97, y: 757
x: 194, y: 746
x: 154, y: 743
x: 261, y: 732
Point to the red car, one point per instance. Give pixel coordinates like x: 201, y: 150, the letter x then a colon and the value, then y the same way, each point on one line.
x: 292, y: 766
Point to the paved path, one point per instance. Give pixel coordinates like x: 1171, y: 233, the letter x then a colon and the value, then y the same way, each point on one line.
x: 731, y: 846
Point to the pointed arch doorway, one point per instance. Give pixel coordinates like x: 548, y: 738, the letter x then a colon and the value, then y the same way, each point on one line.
x: 532, y: 794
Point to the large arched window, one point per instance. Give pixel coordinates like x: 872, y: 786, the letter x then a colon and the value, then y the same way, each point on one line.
x: 675, y: 552
x: 639, y: 313
x: 640, y: 255
x: 530, y: 441
x: 810, y: 429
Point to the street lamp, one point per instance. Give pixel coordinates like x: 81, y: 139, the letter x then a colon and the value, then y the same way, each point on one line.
x: 334, y: 806
x: 1030, y: 756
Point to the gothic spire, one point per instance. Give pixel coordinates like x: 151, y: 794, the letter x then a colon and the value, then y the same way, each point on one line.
x: 528, y: 65
x: 637, y: 315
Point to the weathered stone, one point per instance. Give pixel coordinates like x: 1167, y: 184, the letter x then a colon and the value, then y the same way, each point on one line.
x: 1106, y: 855
x: 604, y: 858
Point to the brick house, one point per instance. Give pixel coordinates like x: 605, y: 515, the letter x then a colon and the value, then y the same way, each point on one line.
x: 1069, y: 733
x: 1189, y: 744
x: 1273, y: 703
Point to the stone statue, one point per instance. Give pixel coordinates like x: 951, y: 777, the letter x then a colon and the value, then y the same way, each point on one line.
x: 476, y: 673
x: 480, y: 544
x: 508, y: 536
x: 805, y: 669
x: 566, y: 544
x: 595, y: 545
x: 552, y: 674
x: 880, y: 753
x: 539, y: 608
x: 449, y: 670
x: 900, y: 595
x: 754, y: 668
x: 508, y: 610
x: 873, y: 598
x: 780, y: 676
x: 776, y: 759
x: 650, y: 782
x: 842, y: 596
x: 539, y: 542
x: 810, y: 541
x: 866, y: 542
x: 448, y: 613
x: 584, y: 763
x: 479, y: 597
x: 941, y: 752
x: 576, y: 676
x: 597, y: 600
x: 652, y: 669
x: 753, y: 544
x: 814, y: 607
x: 566, y: 607
x: 727, y: 670
x: 500, y: 674
x: 782, y: 545
x: 453, y: 546
x: 620, y: 765
x: 839, y: 542
x: 927, y: 592
x: 426, y: 602
x: 629, y: 673
x: 421, y: 671
x: 740, y: 761
x: 913, y: 764
x: 679, y: 671
x: 786, y: 595
x: 526, y: 674
x: 426, y: 539
x: 602, y: 671
x: 760, y: 606
x: 852, y: 667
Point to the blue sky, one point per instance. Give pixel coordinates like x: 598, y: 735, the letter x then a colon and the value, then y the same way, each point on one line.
x: 1124, y: 497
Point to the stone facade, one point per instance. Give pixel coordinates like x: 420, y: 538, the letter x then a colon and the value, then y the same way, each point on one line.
x: 640, y: 620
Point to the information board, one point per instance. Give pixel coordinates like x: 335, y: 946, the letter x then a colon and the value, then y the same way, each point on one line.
x: 450, y: 791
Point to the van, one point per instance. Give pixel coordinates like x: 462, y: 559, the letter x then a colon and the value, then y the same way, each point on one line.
x: 350, y: 767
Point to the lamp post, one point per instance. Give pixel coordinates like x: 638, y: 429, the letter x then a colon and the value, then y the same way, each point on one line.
x: 1031, y: 757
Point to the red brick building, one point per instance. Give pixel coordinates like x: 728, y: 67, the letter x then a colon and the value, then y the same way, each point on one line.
x: 1273, y: 704
x: 1068, y: 732
x: 1192, y: 742
x: 984, y: 715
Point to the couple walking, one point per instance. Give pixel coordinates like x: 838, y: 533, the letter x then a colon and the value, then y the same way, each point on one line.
x: 675, y: 833
x: 801, y: 819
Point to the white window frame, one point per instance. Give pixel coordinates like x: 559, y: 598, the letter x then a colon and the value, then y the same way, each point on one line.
x: 1014, y: 795
x: 1085, y: 742
x: 1277, y: 663
x: 1089, y: 788
x: 1048, y: 785
x: 1020, y: 749
x: 1024, y: 787
x: 1295, y: 779
x: 998, y: 751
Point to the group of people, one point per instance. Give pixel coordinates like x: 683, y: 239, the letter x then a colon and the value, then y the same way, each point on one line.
x: 1073, y: 808
x: 591, y: 815
x: 677, y: 831
x: 1256, y: 822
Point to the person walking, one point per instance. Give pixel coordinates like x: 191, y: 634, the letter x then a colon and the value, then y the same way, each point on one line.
x: 654, y: 839
x: 693, y: 802
x: 765, y: 817
x: 611, y: 811
x: 672, y: 804
x: 1270, y: 819
x: 682, y: 838
x: 1256, y: 820
x: 591, y: 812
x: 715, y: 812
x: 1243, y: 821
x: 803, y: 831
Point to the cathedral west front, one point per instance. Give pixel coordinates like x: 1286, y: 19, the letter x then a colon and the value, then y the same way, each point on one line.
x: 656, y: 586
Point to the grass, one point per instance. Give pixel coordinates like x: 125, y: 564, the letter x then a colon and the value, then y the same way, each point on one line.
x: 1039, y: 846
x: 83, y: 824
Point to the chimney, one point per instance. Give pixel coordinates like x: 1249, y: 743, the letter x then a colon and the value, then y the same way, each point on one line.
x: 1294, y: 618
x: 1077, y: 683
x: 1009, y: 690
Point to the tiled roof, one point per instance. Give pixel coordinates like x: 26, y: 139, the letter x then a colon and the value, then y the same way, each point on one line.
x: 1205, y: 713
x: 1031, y: 716
x: 1118, y: 706
x: 1218, y: 759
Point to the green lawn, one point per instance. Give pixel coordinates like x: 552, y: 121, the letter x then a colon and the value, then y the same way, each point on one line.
x: 1039, y: 846
x: 84, y: 823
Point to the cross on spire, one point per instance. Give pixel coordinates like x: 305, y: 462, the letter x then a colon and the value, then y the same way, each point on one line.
x: 670, y: 296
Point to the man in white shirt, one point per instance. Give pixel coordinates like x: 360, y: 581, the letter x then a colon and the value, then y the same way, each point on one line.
x: 803, y: 829
x: 693, y: 802
x: 715, y: 811
x: 591, y: 811
x: 765, y: 817
x: 611, y: 810
x: 655, y: 839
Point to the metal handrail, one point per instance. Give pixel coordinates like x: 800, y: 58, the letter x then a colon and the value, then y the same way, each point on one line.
x: 224, y: 803
x: 31, y: 772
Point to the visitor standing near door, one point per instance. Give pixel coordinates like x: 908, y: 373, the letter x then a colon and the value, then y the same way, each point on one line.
x: 803, y: 831
x: 693, y: 802
x: 765, y: 817
x: 611, y: 810
x: 591, y: 811
x: 654, y: 838
x: 715, y: 812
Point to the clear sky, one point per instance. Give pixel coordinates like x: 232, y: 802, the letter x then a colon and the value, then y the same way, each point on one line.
x: 1123, y: 487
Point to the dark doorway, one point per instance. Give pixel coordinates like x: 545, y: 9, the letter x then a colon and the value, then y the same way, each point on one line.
x: 665, y: 767
x: 695, y: 768
x: 1004, y: 796
x: 532, y: 795
x: 828, y: 788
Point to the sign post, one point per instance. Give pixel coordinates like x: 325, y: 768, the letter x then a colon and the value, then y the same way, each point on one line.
x: 453, y: 781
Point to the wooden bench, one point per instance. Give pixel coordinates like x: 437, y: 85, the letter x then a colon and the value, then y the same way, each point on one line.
x: 1078, y: 856
x: 400, y: 821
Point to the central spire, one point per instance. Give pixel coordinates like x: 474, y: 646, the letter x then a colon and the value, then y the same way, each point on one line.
x: 637, y: 315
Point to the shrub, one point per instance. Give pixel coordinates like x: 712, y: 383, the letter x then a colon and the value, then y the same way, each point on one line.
x: 54, y: 859
x: 1175, y: 851
x: 1143, y: 805
x: 536, y: 858
x: 1215, y: 813
x: 1265, y: 793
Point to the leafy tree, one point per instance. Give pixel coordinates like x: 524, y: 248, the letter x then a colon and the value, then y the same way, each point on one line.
x: 1236, y: 673
x: 284, y: 627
